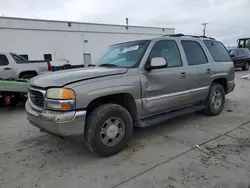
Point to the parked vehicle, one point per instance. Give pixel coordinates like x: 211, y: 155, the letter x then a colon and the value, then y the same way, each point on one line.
x: 244, y: 43
x: 138, y: 83
x: 240, y: 57
x: 12, y: 91
x: 13, y: 66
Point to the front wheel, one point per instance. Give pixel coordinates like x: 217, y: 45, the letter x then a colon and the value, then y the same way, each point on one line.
x: 215, y: 100
x: 108, y: 130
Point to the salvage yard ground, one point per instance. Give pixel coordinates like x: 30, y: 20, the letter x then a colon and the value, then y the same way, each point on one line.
x: 189, y: 151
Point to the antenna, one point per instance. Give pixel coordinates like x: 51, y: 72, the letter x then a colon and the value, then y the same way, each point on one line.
x: 204, y: 29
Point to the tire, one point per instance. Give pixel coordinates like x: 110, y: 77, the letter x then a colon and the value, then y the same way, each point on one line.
x: 245, y: 67
x: 27, y: 76
x: 212, y: 108
x: 98, y: 130
x: 15, y: 101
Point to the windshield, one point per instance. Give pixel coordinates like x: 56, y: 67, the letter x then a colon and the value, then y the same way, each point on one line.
x: 124, y: 55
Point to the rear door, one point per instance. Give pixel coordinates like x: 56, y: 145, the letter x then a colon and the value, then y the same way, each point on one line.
x: 199, y: 70
x: 5, y: 67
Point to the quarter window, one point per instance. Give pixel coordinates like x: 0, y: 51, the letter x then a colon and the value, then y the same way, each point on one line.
x: 194, y: 53
x: 167, y: 49
x: 217, y: 50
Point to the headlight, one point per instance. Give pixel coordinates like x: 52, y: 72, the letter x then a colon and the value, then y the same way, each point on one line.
x: 60, y: 93
x: 60, y: 99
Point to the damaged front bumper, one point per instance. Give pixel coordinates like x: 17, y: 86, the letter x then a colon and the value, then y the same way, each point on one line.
x: 64, y: 124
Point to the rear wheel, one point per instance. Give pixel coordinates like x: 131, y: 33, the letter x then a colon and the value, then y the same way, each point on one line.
x: 246, y: 66
x: 215, y: 100
x: 27, y: 76
x: 108, y: 130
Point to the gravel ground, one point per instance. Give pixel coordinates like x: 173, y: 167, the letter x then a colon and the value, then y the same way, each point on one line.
x: 189, y: 151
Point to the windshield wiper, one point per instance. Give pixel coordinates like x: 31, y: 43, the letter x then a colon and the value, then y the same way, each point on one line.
x: 107, y: 65
x: 91, y: 65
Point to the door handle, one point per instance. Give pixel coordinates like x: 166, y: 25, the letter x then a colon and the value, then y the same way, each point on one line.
x: 208, y: 71
x: 183, y: 75
x: 7, y: 68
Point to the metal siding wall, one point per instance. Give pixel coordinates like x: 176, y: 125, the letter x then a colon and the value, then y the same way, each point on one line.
x: 62, y: 45
x: 36, y: 38
x: 98, y: 42
x: 85, y: 27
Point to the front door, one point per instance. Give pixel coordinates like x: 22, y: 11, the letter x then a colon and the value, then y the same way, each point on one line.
x: 165, y: 89
x: 5, y: 68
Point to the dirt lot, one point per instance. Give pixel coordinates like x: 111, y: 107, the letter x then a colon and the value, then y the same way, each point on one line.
x: 190, y: 151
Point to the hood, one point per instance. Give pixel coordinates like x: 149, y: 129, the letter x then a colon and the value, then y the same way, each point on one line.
x: 65, y: 77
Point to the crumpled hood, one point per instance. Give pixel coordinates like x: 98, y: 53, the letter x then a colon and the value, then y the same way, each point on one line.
x: 61, y: 78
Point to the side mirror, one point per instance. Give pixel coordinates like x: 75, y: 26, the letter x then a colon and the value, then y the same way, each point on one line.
x: 232, y: 55
x: 157, y: 63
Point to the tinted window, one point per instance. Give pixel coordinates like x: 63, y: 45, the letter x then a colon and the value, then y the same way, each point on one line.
x: 3, y: 60
x: 18, y: 58
x: 47, y: 57
x: 194, y: 53
x: 217, y: 50
x: 240, y: 52
x: 25, y: 56
x: 167, y: 49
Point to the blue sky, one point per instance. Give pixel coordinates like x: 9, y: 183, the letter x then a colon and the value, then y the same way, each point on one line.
x: 228, y: 19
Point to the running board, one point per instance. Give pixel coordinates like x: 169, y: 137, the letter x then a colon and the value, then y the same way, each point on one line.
x: 170, y: 115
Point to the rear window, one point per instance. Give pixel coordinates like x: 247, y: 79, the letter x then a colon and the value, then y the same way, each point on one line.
x: 217, y: 50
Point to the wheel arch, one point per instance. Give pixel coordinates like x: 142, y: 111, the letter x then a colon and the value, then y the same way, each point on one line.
x: 124, y: 99
x: 223, y: 82
x: 27, y: 72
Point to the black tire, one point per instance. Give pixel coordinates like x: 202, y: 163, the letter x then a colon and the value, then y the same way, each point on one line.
x: 210, y: 109
x: 27, y: 76
x: 94, y: 124
x: 245, y: 67
x: 15, y: 100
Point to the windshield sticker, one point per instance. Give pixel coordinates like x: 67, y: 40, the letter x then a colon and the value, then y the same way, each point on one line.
x: 130, y: 49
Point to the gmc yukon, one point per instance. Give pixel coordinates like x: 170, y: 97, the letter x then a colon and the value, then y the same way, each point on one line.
x: 134, y: 84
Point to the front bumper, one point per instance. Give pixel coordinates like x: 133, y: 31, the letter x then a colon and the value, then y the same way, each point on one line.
x: 64, y: 124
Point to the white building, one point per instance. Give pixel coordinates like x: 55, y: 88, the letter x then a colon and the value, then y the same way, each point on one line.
x: 67, y: 42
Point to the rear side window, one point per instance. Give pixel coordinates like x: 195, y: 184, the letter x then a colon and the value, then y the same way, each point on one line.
x: 3, y: 60
x: 217, y: 50
x: 194, y: 53
x: 18, y: 58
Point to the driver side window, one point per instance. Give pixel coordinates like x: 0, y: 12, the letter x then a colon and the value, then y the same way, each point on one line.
x: 167, y: 49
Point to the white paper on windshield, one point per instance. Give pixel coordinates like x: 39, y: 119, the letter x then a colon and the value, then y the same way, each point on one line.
x: 130, y: 49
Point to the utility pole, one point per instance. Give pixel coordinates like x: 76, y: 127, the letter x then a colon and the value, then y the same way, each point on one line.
x: 204, y: 29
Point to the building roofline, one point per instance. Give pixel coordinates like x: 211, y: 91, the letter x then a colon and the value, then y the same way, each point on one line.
x: 60, y: 21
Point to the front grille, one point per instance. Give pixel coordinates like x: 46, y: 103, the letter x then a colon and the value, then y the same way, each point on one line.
x: 37, y: 98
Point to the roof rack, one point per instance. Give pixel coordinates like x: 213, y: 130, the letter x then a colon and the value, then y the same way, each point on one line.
x: 182, y: 35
